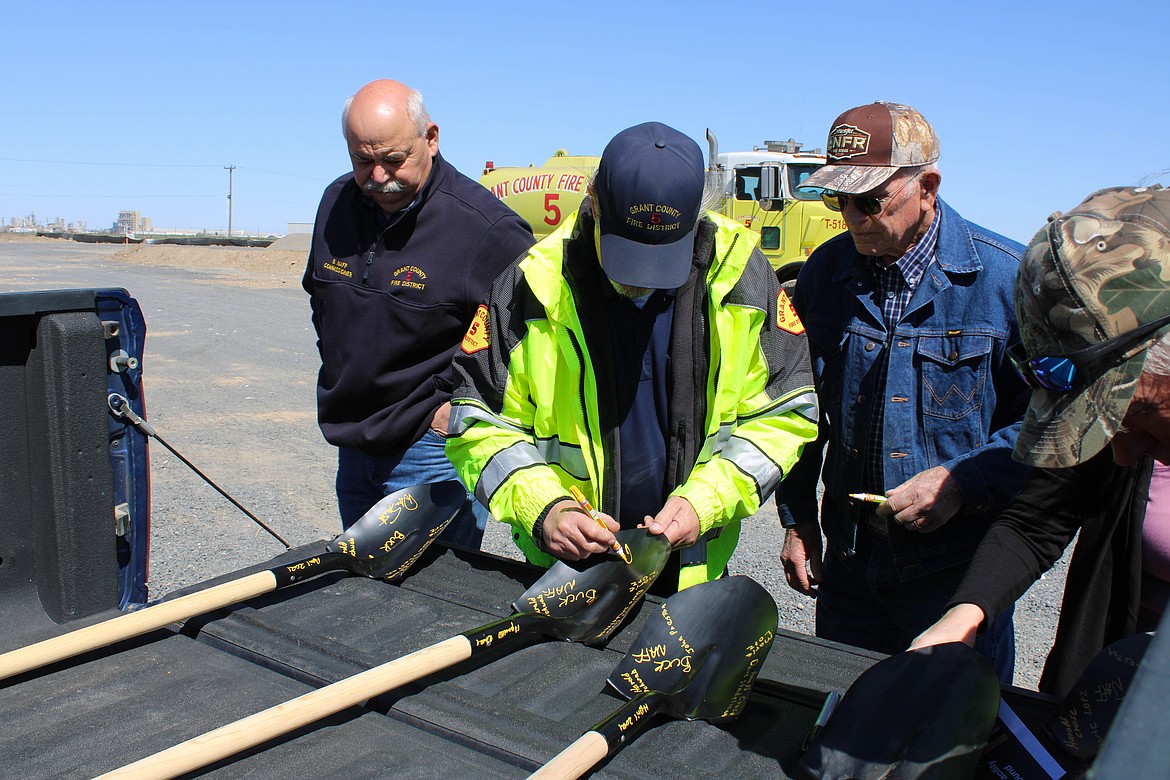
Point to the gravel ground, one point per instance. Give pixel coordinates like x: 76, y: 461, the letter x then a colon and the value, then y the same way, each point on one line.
x: 230, y: 371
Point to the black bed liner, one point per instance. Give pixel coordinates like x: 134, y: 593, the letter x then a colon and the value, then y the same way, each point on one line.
x: 500, y: 716
x: 489, y: 717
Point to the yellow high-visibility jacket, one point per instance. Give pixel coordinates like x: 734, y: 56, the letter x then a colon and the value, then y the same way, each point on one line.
x: 531, y: 415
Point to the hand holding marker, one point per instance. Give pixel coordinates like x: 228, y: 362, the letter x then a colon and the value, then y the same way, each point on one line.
x: 580, y: 497
x: 872, y: 498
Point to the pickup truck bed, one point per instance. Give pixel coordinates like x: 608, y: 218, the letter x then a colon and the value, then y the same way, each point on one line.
x: 72, y: 547
x: 499, y: 717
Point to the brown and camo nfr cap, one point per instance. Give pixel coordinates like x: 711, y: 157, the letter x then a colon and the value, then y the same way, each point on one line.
x: 869, y: 144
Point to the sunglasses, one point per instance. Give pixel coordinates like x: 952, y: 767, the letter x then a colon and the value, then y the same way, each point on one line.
x: 866, y: 204
x: 1062, y: 373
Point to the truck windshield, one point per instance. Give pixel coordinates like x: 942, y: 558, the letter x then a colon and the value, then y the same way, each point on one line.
x: 797, y: 173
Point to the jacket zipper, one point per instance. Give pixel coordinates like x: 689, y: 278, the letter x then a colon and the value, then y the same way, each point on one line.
x: 585, y: 411
x: 705, y: 341
x: 696, y: 554
x: 377, y: 243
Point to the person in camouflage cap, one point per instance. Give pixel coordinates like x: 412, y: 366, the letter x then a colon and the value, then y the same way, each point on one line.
x: 1093, y: 292
x: 1093, y: 302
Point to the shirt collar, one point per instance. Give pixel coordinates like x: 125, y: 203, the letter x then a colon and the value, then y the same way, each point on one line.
x: 915, y: 262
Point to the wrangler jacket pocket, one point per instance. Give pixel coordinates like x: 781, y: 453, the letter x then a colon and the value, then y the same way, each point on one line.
x: 954, y: 371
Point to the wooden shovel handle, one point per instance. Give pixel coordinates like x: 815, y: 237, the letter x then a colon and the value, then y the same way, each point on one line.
x: 133, y: 624
x: 575, y: 760
x: 290, y: 715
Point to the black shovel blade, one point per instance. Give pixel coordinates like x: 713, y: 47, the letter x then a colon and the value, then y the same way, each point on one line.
x: 389, y: 538
x: 921, y: 714
x: 586, y: 601
x: 1087, y: 711
x: 703, y: 650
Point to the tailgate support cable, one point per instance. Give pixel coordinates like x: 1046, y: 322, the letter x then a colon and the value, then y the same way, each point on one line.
x: 121, y: 409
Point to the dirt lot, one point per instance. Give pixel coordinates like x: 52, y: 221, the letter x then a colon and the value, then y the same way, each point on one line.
x: 271, y: 267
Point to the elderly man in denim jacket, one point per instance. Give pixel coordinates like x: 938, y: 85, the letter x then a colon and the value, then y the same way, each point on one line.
x: 909, y: 318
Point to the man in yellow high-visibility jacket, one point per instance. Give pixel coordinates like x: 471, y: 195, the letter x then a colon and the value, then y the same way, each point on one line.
x: 645, y: 355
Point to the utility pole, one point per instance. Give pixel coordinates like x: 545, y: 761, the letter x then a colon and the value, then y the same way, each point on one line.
x: 231, y: 170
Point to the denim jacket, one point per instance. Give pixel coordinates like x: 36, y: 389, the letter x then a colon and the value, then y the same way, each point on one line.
x: 952, y: 396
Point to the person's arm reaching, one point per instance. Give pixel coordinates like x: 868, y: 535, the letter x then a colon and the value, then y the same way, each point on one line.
x: 1023, y: 543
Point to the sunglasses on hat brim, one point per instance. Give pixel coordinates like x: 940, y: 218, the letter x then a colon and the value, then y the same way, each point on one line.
x: 1065, y: 373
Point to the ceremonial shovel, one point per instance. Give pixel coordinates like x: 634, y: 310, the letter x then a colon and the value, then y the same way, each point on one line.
x: 384, y: 542
x: 696, y: 659
x: 578, y: 605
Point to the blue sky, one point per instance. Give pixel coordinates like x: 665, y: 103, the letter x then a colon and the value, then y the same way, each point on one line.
x: 132, y: 105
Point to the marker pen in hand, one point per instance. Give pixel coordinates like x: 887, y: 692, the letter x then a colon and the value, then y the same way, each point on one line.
x: 872, y: 498
x: 615, y: 546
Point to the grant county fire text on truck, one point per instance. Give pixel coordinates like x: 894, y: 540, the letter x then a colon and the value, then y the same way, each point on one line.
x: 761, y: 188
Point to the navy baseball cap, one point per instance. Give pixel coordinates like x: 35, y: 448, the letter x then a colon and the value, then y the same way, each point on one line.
x: 649, y: 189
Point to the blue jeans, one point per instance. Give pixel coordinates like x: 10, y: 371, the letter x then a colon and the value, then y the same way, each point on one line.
x: 863, y: 603
x: 363, y: 480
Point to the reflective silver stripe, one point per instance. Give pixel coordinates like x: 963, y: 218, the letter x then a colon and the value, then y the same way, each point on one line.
x: 805, y: 404
x: 715, y: 443
x: 749, y: 459
x: 504, y: 464
x: 463, y: 415
x: 569, y: 457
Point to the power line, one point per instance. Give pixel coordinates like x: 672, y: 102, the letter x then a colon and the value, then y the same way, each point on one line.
x: 66, y: 196
x: 106, y: 164
x: 283, y: 173
x: 164, y: 165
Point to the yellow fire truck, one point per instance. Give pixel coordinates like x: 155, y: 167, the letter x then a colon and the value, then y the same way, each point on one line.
x: 761, y: 188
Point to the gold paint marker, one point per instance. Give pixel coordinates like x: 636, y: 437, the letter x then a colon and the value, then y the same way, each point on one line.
x: 616, y: 546
x: 872, y: 498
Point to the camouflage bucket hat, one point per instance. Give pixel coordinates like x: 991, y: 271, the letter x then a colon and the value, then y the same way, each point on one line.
x: 1096, y: 272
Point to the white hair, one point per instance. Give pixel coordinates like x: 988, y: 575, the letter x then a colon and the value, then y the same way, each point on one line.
x: 416, y: 109
x: 1158, y: 357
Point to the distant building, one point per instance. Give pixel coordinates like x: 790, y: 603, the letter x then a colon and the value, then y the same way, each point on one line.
x: 300, y: 227
x: 127, y: 223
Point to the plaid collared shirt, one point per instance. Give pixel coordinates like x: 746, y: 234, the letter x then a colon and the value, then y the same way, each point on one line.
x: 893, y: 287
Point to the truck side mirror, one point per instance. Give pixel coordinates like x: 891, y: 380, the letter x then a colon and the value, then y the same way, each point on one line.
x: 771, y: 198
